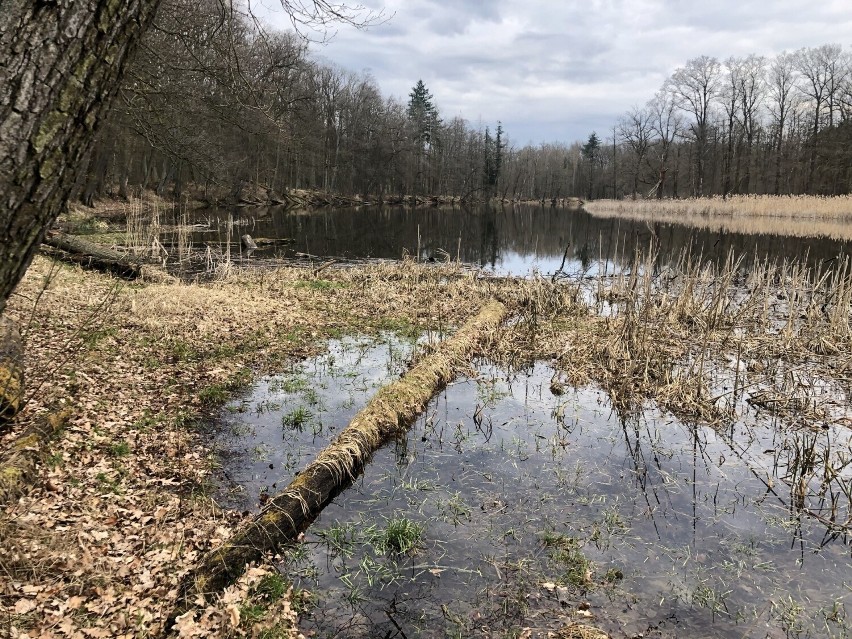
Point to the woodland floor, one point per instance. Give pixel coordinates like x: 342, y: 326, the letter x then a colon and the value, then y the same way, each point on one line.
x: 122, y: 506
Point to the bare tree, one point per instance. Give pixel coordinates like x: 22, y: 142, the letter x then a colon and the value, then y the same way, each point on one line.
x: 695, y: 86
x: 636, y: 129
x: 752, y: 82
x: 815, y: 65
x: 781, y: 87
x: 730, y: 97
x: 666, y: 125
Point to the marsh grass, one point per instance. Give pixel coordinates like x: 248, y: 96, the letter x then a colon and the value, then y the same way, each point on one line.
x: 696, y: 338
x: 402, y: 535
x: 795, y: 215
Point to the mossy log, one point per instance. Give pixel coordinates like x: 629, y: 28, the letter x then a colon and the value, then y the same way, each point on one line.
x: 386, y: 417
x: 11, y: 370
x: 19, y: 458
x: 79, y: 250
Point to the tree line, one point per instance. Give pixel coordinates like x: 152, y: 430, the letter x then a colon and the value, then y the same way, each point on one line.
x: 746, y: 125
x: 216, y: 102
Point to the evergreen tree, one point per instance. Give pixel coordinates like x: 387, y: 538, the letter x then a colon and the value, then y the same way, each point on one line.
x: 423, y: 113
x: 498, y: 153
x: 591, y: 151
x: 488, y: 174
x: 493, y: 162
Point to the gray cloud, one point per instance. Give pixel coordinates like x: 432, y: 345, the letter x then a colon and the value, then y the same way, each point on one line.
x: 558, y: 70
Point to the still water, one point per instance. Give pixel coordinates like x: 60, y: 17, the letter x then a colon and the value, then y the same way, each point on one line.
x: 535, y: 510
x: 509, y: 240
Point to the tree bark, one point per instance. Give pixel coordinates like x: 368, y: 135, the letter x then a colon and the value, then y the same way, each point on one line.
x: 21, y: 456
x: 387, y: 416
x: 61, y: 64
x: 11, y: 370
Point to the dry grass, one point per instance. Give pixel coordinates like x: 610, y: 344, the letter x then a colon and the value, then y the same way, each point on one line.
x: 678, y: 335
x: 119, y: 512
x: 798, y: 216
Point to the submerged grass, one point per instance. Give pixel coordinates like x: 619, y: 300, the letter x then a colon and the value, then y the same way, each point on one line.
x: 698, y: 339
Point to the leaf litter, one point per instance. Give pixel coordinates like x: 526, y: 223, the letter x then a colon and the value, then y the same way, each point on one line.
x: 122, y: 508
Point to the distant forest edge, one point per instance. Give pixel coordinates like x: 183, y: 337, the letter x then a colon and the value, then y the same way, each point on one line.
x: 216, y: 106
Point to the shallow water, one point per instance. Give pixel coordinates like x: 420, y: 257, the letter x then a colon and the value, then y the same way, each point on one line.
x: 689, y: 531
x: 509, y: 240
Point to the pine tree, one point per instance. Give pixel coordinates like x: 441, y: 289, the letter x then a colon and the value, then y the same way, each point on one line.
x: 423, y: 113
x: 591, y: 151
x: 488, y: 168
x: 498, y: 153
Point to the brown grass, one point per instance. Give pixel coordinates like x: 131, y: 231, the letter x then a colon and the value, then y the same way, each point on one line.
x: 119, y: 511
x: 799, y: 216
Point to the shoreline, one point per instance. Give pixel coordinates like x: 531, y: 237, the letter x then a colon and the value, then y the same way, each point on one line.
x: 122, y: 506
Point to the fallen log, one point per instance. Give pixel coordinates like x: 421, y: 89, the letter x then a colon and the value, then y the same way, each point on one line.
x: 386, y: 417
x: 79, y: 250
x: 11, y: 370
x: 19, y: 459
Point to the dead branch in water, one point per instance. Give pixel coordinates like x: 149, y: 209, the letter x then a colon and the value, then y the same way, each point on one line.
x: 387, y: 416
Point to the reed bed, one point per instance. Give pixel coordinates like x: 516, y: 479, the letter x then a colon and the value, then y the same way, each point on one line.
x: 711, y: 343
x: 677, y: 334
x: 795, y: 215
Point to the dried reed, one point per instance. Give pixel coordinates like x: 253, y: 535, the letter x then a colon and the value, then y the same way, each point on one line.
x: 799, y: 216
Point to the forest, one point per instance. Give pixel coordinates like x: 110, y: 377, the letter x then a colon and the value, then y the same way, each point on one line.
x: 214, y: 101
x: 518, y: 415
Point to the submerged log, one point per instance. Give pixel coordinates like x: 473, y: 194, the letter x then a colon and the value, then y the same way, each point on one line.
x: 386, y: 417
x: 11, y: 370
x: 79, y: 250
x: 19, y: 459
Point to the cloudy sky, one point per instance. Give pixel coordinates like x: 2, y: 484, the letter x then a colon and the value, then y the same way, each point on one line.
x: 556, y: 70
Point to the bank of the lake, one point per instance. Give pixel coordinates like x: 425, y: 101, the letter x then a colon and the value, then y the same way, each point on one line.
x: 122, y: 506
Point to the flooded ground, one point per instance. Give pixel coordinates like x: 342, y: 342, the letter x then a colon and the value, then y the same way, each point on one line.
x: 508, y: 507
x: 509, y: 240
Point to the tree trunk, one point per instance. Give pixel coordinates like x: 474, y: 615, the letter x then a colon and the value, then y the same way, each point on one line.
x: 79, y: 250
x: 387, y: 416
x: 21, y: 456
x: 61, y: 64
x: 11, y: 370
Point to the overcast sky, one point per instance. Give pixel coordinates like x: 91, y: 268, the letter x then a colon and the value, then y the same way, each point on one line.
x: 557, y: 70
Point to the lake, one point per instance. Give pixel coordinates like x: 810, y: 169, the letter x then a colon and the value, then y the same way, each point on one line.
x: 508, y: 240
x: 532, y: 508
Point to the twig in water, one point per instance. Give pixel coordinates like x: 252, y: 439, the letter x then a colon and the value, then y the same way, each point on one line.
x: 560, y: 271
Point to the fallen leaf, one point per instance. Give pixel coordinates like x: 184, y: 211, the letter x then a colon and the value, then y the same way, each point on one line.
x: 23, y: 606
x: 233, y: 615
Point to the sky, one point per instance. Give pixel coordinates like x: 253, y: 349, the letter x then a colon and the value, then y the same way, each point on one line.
x: 554, y: 71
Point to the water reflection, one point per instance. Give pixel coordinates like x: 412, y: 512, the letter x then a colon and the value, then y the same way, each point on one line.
x: 689, y: 531
x: 506, y: 240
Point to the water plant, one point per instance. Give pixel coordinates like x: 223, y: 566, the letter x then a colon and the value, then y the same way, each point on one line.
x: 297, y: 418
x: 402, y: 535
